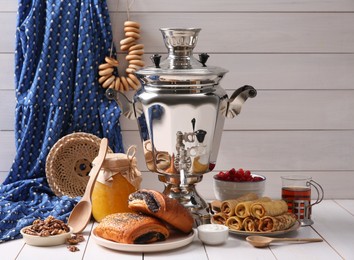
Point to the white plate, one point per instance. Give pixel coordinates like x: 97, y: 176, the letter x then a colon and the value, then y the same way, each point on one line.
x: 274, y: 233
x: 175, y: 240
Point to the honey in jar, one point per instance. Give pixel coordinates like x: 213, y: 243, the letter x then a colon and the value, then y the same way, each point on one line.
x: 112, y: 188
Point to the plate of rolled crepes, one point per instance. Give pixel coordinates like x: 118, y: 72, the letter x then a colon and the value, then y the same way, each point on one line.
x: 250, y: 214
x: 156, y: 223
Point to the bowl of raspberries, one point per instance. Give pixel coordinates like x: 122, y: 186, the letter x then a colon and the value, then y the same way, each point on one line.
x: 234, y: 183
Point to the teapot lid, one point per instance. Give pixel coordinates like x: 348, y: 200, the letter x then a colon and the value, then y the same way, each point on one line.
x: 180, y: 68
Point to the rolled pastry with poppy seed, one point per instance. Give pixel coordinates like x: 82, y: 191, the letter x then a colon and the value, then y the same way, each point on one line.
x: 157, y: 204
x: 131, y: 228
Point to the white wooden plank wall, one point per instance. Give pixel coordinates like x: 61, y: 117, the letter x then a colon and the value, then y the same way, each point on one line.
x: 299, y: 55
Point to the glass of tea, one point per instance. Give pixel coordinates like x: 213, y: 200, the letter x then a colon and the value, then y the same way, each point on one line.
x: 296, y: 191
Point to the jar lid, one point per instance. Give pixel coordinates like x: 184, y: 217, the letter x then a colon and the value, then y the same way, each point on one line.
x: 180, y: 68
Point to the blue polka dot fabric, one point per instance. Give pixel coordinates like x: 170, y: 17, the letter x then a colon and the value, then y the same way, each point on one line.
x: 59, y: 46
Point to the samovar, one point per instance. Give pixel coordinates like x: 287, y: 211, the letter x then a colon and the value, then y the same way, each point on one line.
x: 180, y: 109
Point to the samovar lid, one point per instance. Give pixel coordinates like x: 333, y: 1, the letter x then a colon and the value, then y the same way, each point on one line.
x: 180, y: 68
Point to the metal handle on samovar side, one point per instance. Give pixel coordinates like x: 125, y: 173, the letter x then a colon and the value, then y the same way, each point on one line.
x: 129, y: 110
x: 235, y: 102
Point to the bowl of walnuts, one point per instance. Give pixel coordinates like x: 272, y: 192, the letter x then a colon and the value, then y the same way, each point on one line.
x: 47, y: 232
x: 235, y: 183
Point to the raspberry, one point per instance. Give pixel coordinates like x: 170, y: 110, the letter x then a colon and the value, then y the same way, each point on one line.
x: 257, y: 178
x: 232, y: 171
x: 237, y: 176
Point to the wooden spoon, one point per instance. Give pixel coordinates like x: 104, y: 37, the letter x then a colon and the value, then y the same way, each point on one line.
x: 81, y: 214
x: 261, y: 241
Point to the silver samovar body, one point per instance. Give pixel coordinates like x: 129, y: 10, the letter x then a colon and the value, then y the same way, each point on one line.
x: 181, y: 109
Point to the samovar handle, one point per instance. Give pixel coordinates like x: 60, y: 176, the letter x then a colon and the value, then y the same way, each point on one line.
x: 235, y: 102
x: 129, y: 110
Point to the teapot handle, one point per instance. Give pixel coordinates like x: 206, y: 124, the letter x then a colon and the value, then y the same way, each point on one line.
x: 237, y: 99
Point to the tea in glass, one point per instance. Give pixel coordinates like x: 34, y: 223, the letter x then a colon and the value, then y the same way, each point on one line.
x: 296, y: 191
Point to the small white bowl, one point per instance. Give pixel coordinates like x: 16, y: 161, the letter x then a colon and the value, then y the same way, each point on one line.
x: 225, y: 190
x: 46, y: 241
x: 213, y: 234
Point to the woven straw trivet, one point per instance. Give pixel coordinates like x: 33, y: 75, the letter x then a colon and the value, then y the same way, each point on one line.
x: 69, y: 163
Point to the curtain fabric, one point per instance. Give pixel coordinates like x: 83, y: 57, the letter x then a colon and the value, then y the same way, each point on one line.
x: 59, y: 45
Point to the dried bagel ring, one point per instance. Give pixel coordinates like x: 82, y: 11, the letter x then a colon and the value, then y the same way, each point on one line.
x: 112, y: 61
x: 131, y: 29
x: 132, y: 83
x: 124, y: 83
x: 105, y: 66
x: 130, y: 70
x: 112, y: 84
x: 136, y: 47
x: 132, y: 34
x: 134, y: 78
x: 126, y: 47
x: 127, y: 41
x: 133, y: 66
x: 103, y: 78
x: 121, y: 87
x: 106, y: 71
x: 133, y: 57
x: 108, y: 82
x: 137, y: 62
x: 136, y: 52
x: 131, y: 24
x: 117, y: 83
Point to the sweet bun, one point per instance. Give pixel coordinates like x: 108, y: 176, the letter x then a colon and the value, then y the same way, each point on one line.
x: 132, y: 228
x: 157, y: 204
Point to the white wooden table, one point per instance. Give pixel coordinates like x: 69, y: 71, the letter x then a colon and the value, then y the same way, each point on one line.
x: 334, y: 222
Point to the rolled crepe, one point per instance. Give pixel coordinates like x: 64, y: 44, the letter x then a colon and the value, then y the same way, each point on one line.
x: 243, y: 209
x: 276, y: 223
x: 216, y: 205
x: 234, y: 223
x: 228, y: 206
x: 250, y: 224
x: 268, y: 208
x: 219, y: 218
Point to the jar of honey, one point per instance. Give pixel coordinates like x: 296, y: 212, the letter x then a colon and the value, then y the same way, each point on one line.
x: 118, y: 178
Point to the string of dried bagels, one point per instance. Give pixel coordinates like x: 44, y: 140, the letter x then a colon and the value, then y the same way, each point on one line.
x: 107, y: 71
